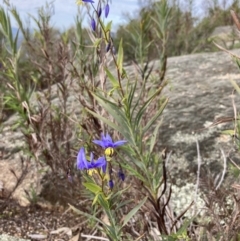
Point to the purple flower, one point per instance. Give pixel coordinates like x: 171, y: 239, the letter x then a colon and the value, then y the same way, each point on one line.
x: 99, y: 12
x: 121, y: 175
x: 93, y: 24
x: 88, y: 1
x: 104, y: 167
x: 110, y: 183
x: 108, y: 46
x: 83, y: 163
x: 106, y: 10
x: 107, y: 142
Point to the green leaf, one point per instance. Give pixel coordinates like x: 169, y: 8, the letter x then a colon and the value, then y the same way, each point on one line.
x: 234, y: 171
x: 235, y: 85
x: 150, y: 123
x: 154, y: 136
x: 92, y: 187
x: 146, y: 104
x: 134, y: 172
x: 97, y: 42
x: 105, y: 120
x: 103, y: 201
x: 96, y: 198
x: 14, y: 47
x: 119, y: 192
x: 133, y: 212
x: 112, y: 78
x: 112, y: 228
x: 117, y: 114
x: 113, y: 110
x: 112, y: 125
x: 86, y: 215
x: 228, y: 132
x: 108, y: 27
x: 120, y: 58
x: 130, y: 97
x: 237, y: 61
x: 123, y: 204
x: 110, y: 92
x: 111, y: 231
x: 181, y: 233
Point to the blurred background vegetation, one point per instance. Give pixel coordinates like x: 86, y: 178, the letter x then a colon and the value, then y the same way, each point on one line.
x: 188, y: 33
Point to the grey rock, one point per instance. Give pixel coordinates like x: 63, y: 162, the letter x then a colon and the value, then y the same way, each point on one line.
x: 200, y: 92
x: 225, y: 32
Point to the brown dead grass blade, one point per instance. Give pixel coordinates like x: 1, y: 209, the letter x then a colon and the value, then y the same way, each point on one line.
x: 237, y: 186
x: 235, y: 19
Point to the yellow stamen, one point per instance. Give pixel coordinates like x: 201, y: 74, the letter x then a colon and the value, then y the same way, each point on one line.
x: 109, y: 152
x: 90, y: 172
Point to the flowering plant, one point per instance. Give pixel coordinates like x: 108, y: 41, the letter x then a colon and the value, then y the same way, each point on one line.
x: 126, y: 108
x: 119, y: 161
x: 101, y: 166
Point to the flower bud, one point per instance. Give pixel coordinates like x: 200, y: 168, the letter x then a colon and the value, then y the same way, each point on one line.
x: 111, y: 184
x: 99, y: 12
x: 88, y: 1
x: 107, y: 10
x: 121, y: 175
x: 93, y: 24
x: 108, y: 46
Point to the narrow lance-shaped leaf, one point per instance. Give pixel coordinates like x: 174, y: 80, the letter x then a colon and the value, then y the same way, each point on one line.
x: 97, y: 42
x: 154, y: 118
x: 228, y: 132
x: 93, y: 187
x: 134, y: 171
x: 114, y: 110
x: 143, y: 108
x: 112, y: 78
x: 105, y: 205
x: 154, y: 137
x: 131, y: 91
x: 118, y: 115
x: 120, y: 58
x: 86, y: 214
x: 133, y: 212
x: 14, y: 47
x: 96, y: 198
x: 235, y: 85
x: 108, y: 27
x: 111, y: 124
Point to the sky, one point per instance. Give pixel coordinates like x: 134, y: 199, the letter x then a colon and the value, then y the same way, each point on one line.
x: 65, y: 11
